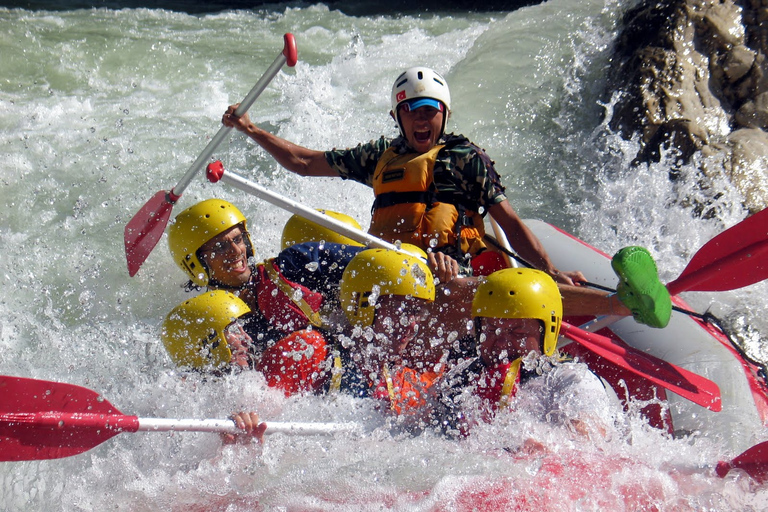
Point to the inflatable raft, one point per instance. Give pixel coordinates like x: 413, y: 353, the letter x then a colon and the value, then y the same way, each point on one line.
x: 687, y: 342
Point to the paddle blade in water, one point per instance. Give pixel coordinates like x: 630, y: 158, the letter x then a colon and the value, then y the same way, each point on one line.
x: 695, y: 388
x: 145, y: 229
x: 735, y: 258
x: 50, y: 420
x: 754, y: 462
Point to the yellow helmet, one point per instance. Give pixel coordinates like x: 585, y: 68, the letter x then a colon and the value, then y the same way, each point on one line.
x: 414, y: 250
x: 299, y: 230
x: 194, y: 227
x: 193, y: 332
x: 522, y: 293
x: 376, y: 272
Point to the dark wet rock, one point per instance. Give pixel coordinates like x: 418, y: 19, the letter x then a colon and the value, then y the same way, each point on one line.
x: 693, y: 78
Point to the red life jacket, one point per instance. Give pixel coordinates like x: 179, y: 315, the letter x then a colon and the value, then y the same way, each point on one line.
x: 286, y: 305
x: 296, y: 363
x: 499, y: 384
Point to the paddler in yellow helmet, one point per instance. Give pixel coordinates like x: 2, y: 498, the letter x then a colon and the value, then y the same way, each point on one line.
x: 398, y: 336
x: 516, y: 316
x: 208, y: 334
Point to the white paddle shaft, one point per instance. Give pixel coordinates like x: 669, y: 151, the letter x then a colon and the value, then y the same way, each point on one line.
x: 228, y: 426
x: 223, y: 132
x: 299, y: 209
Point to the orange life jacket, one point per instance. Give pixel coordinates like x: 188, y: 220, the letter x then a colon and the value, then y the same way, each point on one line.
x: 405, y: 388
x: 407, y: 206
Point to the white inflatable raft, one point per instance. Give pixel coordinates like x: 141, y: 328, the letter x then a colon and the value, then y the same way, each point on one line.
x: 687, y: 342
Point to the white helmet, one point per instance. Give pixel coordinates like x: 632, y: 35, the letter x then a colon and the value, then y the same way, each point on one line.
x: 423, y: 83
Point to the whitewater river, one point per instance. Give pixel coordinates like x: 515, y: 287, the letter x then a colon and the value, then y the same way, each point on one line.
x: 100, y: 109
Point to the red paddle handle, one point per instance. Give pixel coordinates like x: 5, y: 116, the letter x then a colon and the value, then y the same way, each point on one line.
x: 289, y: 50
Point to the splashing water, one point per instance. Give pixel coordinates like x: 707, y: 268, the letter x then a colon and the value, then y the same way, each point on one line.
x: 100, y: 109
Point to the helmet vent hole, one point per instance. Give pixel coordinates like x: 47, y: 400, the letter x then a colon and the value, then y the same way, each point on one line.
x: 421, y: 75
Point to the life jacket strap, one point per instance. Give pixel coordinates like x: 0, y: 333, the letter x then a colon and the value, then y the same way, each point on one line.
x: 392, y: 198
x: 336, y: 374
x: 511, y: 380
x: 285, y: 287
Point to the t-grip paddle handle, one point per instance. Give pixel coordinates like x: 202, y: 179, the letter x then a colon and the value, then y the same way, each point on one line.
x: 288, y: 56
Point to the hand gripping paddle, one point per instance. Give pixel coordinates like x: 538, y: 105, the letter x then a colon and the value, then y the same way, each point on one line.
x: 50, y: 420
x: 146, y: 227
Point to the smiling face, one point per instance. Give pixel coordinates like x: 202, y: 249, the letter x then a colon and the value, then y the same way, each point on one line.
x: 422, y: 126
x: 226, y: 257
x: 503, y: 340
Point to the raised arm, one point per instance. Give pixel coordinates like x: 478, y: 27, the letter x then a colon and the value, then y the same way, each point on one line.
x: 295, y: 158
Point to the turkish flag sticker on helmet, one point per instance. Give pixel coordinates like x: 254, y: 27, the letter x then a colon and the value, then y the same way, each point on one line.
x: 400, y: 96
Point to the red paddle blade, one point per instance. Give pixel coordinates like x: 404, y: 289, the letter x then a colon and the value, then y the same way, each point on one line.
x: 754, y: 462
x: 735, y: 258
x: 695, y: 388
x: 49, y: 420
x: 145, y: 229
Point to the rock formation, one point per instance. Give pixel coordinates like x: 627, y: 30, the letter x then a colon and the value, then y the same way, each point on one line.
x: 694, y: 77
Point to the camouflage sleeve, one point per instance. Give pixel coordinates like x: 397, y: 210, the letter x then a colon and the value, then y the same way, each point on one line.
x: 487, y: 179
x: 476, y: 180
x: 358, y: 163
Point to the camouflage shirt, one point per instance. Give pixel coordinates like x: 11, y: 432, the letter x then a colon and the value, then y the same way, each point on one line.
x: 464, y: 174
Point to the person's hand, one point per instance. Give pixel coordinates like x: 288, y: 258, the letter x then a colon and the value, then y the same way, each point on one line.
x: 443, y: 266
x: 230, y: 119
x: 572, y: 277
x: 248, y: 423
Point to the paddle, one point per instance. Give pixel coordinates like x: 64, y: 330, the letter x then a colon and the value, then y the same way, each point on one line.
x: 50, y: 420
x: 216, y: 172
x: 695, y: 388
x: 146, y: 227
x: 735, y: 258
x: 754, y: 461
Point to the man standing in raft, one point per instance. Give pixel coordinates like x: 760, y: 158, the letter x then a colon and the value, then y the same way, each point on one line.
x: 432, y: 189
